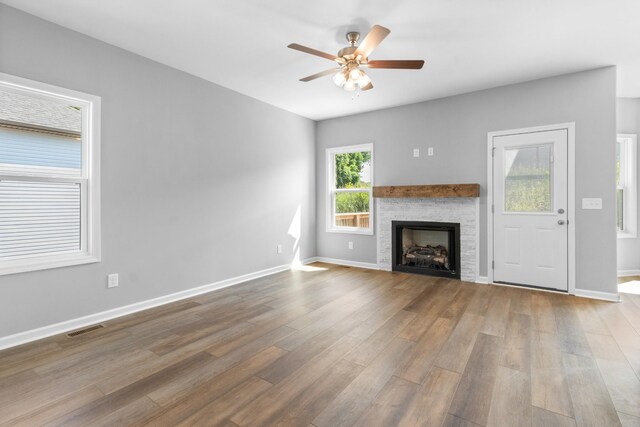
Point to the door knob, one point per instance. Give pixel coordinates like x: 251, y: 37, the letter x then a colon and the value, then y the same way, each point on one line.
x: 561, y: 221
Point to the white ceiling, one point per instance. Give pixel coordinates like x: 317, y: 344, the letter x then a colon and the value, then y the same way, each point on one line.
x: 468, y: 45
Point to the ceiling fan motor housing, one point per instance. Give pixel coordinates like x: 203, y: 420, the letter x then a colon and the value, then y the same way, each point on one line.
x: 347, y: 52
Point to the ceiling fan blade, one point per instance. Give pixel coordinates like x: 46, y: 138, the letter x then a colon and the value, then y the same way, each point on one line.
x: 296, y: 46
x: 320, y: 74
x: 400, y: 65
x: 367, y: 87
x: 372, y: 40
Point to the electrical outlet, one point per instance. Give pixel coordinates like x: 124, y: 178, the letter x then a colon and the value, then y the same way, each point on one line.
x: 350, y: 245
x: 430, y: 151
x: 416, y: 152
x: 279, y: 248
x: 112, y: 280
x: 592, y: 203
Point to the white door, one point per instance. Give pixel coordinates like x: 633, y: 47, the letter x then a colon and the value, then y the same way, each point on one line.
x: 530, y: 232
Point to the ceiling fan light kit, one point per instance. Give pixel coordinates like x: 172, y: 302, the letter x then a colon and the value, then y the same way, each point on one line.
x: 349, y: 76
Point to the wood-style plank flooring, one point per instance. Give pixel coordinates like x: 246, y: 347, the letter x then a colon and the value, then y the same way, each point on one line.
x: 340, y: 346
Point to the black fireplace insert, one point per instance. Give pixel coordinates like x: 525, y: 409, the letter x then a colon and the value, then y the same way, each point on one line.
x: 431, y: 248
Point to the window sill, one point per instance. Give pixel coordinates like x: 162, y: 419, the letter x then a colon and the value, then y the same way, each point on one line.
x: 346, y: 230
x: 34, y: 264
x: 627, y: 235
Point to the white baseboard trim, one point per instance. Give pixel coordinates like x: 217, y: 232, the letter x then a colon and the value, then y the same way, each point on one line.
x: 584, y: 293
x: 625, y: 273
x: 81, y: 322
x: 345, y: 262
x: 606, y: 296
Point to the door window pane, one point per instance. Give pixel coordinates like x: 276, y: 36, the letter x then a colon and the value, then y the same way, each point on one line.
x: 528, y: 179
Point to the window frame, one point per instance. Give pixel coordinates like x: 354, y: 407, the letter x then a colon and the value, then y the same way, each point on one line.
x: 332, y: 190
x: 89, y: 179
x: 628, y: 183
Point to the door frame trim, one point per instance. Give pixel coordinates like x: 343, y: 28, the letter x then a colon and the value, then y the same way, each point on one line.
x: 570, y: 127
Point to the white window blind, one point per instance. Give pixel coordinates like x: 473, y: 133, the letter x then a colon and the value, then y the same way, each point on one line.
x: 39, y: 217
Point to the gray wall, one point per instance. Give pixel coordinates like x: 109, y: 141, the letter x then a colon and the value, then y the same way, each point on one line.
x: 628, y: 121
x: 457, y: 128
x: 199, y: 183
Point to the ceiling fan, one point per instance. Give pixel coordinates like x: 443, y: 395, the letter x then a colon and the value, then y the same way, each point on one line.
x: 349, y: 75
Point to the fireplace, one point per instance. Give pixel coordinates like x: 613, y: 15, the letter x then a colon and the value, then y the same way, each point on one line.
x: 431, y: 248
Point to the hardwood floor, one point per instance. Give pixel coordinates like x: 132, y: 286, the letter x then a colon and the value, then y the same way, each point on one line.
x: 340, y: 346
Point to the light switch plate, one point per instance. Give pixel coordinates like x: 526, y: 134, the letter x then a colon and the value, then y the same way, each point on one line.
x: 593, y: 203
x: 416, y: 152
x: 430, y: 151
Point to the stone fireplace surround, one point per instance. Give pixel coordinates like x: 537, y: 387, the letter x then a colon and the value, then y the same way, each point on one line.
x: 463, y: 210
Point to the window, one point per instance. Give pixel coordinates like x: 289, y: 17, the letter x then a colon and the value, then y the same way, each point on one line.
x: 49, y: 176
x: 626, y: 180
x: 528, y: 180
x: 350, y: 180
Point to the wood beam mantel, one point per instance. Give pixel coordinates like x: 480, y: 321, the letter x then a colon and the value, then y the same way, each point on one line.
x: 425, y: 191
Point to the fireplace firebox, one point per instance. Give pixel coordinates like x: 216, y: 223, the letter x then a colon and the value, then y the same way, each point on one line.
x: 431, y: 248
